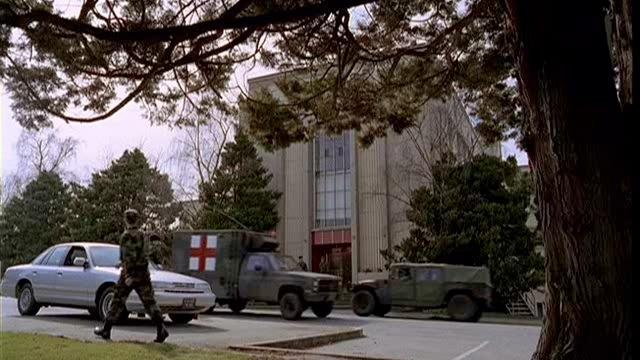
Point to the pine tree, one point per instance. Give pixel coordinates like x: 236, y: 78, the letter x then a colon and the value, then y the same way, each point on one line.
x: 129, y: 182
x: 34, y: 220
x: 238, y: 196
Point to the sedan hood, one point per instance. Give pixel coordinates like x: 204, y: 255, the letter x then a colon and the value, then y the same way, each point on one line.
x: 168, y: 276
x: 160, y: 275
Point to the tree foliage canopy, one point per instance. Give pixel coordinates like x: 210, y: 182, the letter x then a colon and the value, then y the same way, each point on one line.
x: 238, y: 197
x: 475, y: 214
x: 129, y: 182
x: 34, y: 220
x: 174, y: 58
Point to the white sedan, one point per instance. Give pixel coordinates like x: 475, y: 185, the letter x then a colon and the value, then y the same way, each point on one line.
x: 83, y: 275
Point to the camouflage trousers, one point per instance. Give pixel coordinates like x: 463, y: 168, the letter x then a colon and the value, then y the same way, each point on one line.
x: 140, y: 281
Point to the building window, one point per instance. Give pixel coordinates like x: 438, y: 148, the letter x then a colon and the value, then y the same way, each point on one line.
x: 332, y: 161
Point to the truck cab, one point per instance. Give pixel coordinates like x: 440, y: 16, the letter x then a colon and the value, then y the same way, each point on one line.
x: 463, y: 290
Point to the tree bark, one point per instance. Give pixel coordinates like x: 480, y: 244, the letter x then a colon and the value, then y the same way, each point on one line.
x: 578, y: 141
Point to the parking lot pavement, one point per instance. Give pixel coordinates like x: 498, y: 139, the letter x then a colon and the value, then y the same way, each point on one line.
x: 440, y: 340
x: 387, y: 338
x: 220, y: 330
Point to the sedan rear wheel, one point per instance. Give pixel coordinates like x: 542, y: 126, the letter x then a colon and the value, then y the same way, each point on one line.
x: 27, y: 305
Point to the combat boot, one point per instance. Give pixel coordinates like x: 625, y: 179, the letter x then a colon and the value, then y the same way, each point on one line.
x: 104, y: 331
x: 162, y: 333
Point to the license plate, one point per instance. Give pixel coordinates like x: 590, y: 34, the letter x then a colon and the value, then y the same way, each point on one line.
x: 189, y: 303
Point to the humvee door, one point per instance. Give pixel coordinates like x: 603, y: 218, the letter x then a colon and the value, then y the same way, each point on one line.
x: 402, y: 285
x: 429, y: 286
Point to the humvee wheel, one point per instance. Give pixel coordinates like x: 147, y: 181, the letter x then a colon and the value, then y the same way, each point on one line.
x: 291, y: 306
x: 363, y: 303
x: 382, y: 310
x: 462, y: 307
x: 322, y: 310
x: 237, y: 306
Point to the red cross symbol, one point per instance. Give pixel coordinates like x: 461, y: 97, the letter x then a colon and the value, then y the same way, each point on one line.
x: 203, y: 252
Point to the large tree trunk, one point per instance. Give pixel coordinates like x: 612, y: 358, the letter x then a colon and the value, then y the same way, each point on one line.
x: 577, y: 145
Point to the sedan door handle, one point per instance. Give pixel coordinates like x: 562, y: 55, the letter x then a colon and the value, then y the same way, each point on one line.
x: 59, y: 273
x: 34, y: 272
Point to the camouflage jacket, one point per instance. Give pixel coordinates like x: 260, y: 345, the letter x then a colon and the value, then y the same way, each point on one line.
x: 134, y: 250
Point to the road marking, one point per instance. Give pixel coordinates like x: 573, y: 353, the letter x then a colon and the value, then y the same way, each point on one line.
x: 464, y: 355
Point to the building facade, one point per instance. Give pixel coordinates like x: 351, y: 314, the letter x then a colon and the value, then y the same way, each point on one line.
x: 342, y: 203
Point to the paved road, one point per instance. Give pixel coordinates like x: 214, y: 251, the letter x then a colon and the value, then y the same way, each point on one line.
x: 388, y: 338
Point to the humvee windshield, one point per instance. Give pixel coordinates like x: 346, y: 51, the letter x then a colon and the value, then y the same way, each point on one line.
x: 284, y: 263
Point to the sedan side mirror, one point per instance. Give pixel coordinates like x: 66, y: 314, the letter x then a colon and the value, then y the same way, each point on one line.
x: 80, y: 261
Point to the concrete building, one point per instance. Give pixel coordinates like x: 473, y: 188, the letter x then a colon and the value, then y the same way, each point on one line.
x: 343, y: 203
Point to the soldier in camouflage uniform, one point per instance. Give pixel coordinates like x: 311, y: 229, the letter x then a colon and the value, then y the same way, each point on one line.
x: 134, y: 257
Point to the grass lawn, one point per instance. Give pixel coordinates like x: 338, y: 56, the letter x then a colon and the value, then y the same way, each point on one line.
x: 43, y: 347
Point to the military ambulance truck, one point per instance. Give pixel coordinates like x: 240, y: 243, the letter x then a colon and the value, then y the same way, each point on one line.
x: 244, y: 266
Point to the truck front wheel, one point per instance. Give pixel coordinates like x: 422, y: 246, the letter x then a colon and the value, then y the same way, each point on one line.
x: 322, y: 310
x: 363, y: 302
x: 291, y: 306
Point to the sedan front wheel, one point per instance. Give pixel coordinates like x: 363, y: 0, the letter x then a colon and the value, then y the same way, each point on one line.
x: 104, y: 305
x: 27, y: 305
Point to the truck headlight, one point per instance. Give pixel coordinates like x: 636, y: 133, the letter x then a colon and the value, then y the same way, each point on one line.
x: 316, y: 285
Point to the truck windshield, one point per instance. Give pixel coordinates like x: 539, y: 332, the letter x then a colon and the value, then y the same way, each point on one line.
x: 284, y: 263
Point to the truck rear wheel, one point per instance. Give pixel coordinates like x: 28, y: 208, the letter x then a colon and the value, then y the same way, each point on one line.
x: 237, y: 306
x: 291, y: 306
x: 322, y: 310
x: 462, y: 307
x: 363, y: 302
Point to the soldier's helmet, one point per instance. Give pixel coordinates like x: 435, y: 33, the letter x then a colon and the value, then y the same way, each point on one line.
x: 131, y: 217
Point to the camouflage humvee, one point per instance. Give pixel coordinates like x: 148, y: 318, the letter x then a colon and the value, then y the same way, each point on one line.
x: 464, y: 290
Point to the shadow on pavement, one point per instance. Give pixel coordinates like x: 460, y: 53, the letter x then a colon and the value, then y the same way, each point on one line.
x: 132, y: 322
x: 307, y: 318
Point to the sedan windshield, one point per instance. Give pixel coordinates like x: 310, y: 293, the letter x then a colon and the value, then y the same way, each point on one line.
x: 284, y: 263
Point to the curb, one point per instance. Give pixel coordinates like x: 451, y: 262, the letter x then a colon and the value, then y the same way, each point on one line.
x: 286, y: 352
x: 311, y: 341
x: 298, y: 345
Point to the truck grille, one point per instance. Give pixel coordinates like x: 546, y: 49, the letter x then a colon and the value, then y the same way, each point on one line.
x: 327, y: 285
